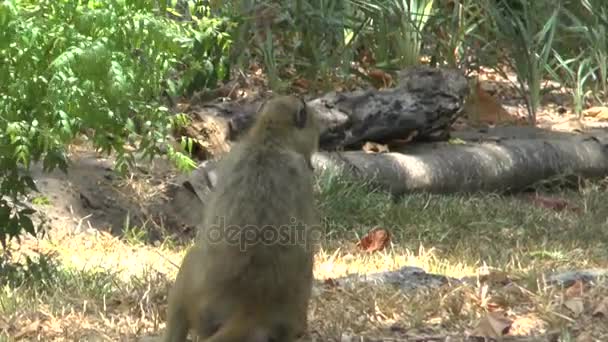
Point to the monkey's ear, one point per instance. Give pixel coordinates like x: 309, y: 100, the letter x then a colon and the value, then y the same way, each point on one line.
x: 301, y: 116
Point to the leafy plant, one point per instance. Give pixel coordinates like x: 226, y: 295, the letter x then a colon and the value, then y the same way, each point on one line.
x: 396, y: 28
x: 455, y: 32
x: 303, y: 36
x: 577, y: 71
x: 527, y: 35
x: 588, y: 25
x: 96, y: 68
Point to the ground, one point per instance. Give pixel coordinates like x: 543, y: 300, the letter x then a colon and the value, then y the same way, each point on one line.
x: 98, y: 276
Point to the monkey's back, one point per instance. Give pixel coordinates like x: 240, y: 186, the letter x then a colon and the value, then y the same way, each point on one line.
x: 248, y: 276
x: 261, y: 187
x: 263, y: 193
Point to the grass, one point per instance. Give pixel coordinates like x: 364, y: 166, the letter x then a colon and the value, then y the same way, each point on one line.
x: 94, y: 286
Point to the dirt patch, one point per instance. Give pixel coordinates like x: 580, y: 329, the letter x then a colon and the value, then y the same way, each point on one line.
x: 92, y: 194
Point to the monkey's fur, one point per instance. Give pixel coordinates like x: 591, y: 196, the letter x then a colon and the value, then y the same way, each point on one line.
x: 226, y: 292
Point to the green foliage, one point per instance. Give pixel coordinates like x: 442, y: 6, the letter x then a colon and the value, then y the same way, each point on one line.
x: 308, y: 35
x: 347, y: 204
x: 39, y: 271
x: 577, y: 71
x: 94, y: 67
x: 43, y: 275
x: 526, y: 31
x: 319, y: 37
x: 586, y: 26
x: 396, y: 27
x: 457, y: 33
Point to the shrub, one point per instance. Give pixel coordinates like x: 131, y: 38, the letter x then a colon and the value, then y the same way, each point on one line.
x: 95, y: 67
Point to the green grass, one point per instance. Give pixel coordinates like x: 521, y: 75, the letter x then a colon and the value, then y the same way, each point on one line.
x: 117, y: 287
x: 486, y: 227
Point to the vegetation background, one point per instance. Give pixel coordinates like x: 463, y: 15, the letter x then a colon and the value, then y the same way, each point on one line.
x: 111, y: 75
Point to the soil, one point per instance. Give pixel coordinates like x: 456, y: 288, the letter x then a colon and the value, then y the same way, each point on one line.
x: 91, y: 194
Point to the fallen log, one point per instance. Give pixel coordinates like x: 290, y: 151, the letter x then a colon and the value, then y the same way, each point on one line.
x: 491, y: 164
x: 423, y: 106
x: 494, y: 166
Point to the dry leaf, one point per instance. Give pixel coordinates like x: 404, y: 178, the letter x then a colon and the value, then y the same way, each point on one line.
x: 493, y: 324
x: 602, y: 309
x: 495, y: 277
x: 576, y: 305
x: 365, y: 56
x: 4, y: 325
x: 377, y: 239
x: 456, y: 141
x: 600, y: 113
x: 485, y: 108
x: 556, y: 204
x: 28, y: 329
x: 301, y: 83
x: 585, y: 337
x: 380, y: 78
x: 576, y: 290
x: 570, y: 125
x: 330, y: 282
x: 372, y: 147
x: 404, y: 141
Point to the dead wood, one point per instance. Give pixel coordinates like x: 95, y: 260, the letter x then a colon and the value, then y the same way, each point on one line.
x: 488, y: 162
x: 424, y: 105
x: 494, y: 165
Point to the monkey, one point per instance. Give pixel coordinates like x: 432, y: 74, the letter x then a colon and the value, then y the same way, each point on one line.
x: 238, y: 283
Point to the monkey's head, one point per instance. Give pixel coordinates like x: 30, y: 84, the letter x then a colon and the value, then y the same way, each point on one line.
x: 291, y: 121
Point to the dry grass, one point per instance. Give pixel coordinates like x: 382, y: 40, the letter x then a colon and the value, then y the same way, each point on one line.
x: 92, y: 286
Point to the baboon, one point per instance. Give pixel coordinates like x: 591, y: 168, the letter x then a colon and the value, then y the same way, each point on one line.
x: 248, y: 276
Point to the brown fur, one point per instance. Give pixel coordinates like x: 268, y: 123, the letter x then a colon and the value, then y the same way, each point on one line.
x: 229, y: 292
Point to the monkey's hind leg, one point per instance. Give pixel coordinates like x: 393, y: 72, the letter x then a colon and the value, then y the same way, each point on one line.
x: 177, y: 322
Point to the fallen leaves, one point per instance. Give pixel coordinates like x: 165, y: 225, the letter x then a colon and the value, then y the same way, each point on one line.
x: 376, y: 240
x: 575, y: 290
x: 483, y: 108
x: 575, y: 305
x: 380, y: 78
x: 601, y: 310
x: 372, y: 147
x: 574, y: 298
x: 493, y: 324
x: 553, y: 203
x: 301, y: 84
x: 598, y: 113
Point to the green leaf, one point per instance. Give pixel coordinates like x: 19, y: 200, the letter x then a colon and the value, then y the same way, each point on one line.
x: 26, y: 222
x: 30, y: 182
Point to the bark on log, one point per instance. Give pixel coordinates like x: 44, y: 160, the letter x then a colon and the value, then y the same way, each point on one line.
x: 498, y: 161
x: 425, y: 104
x: 508, y: 165
x: 499, y: 164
